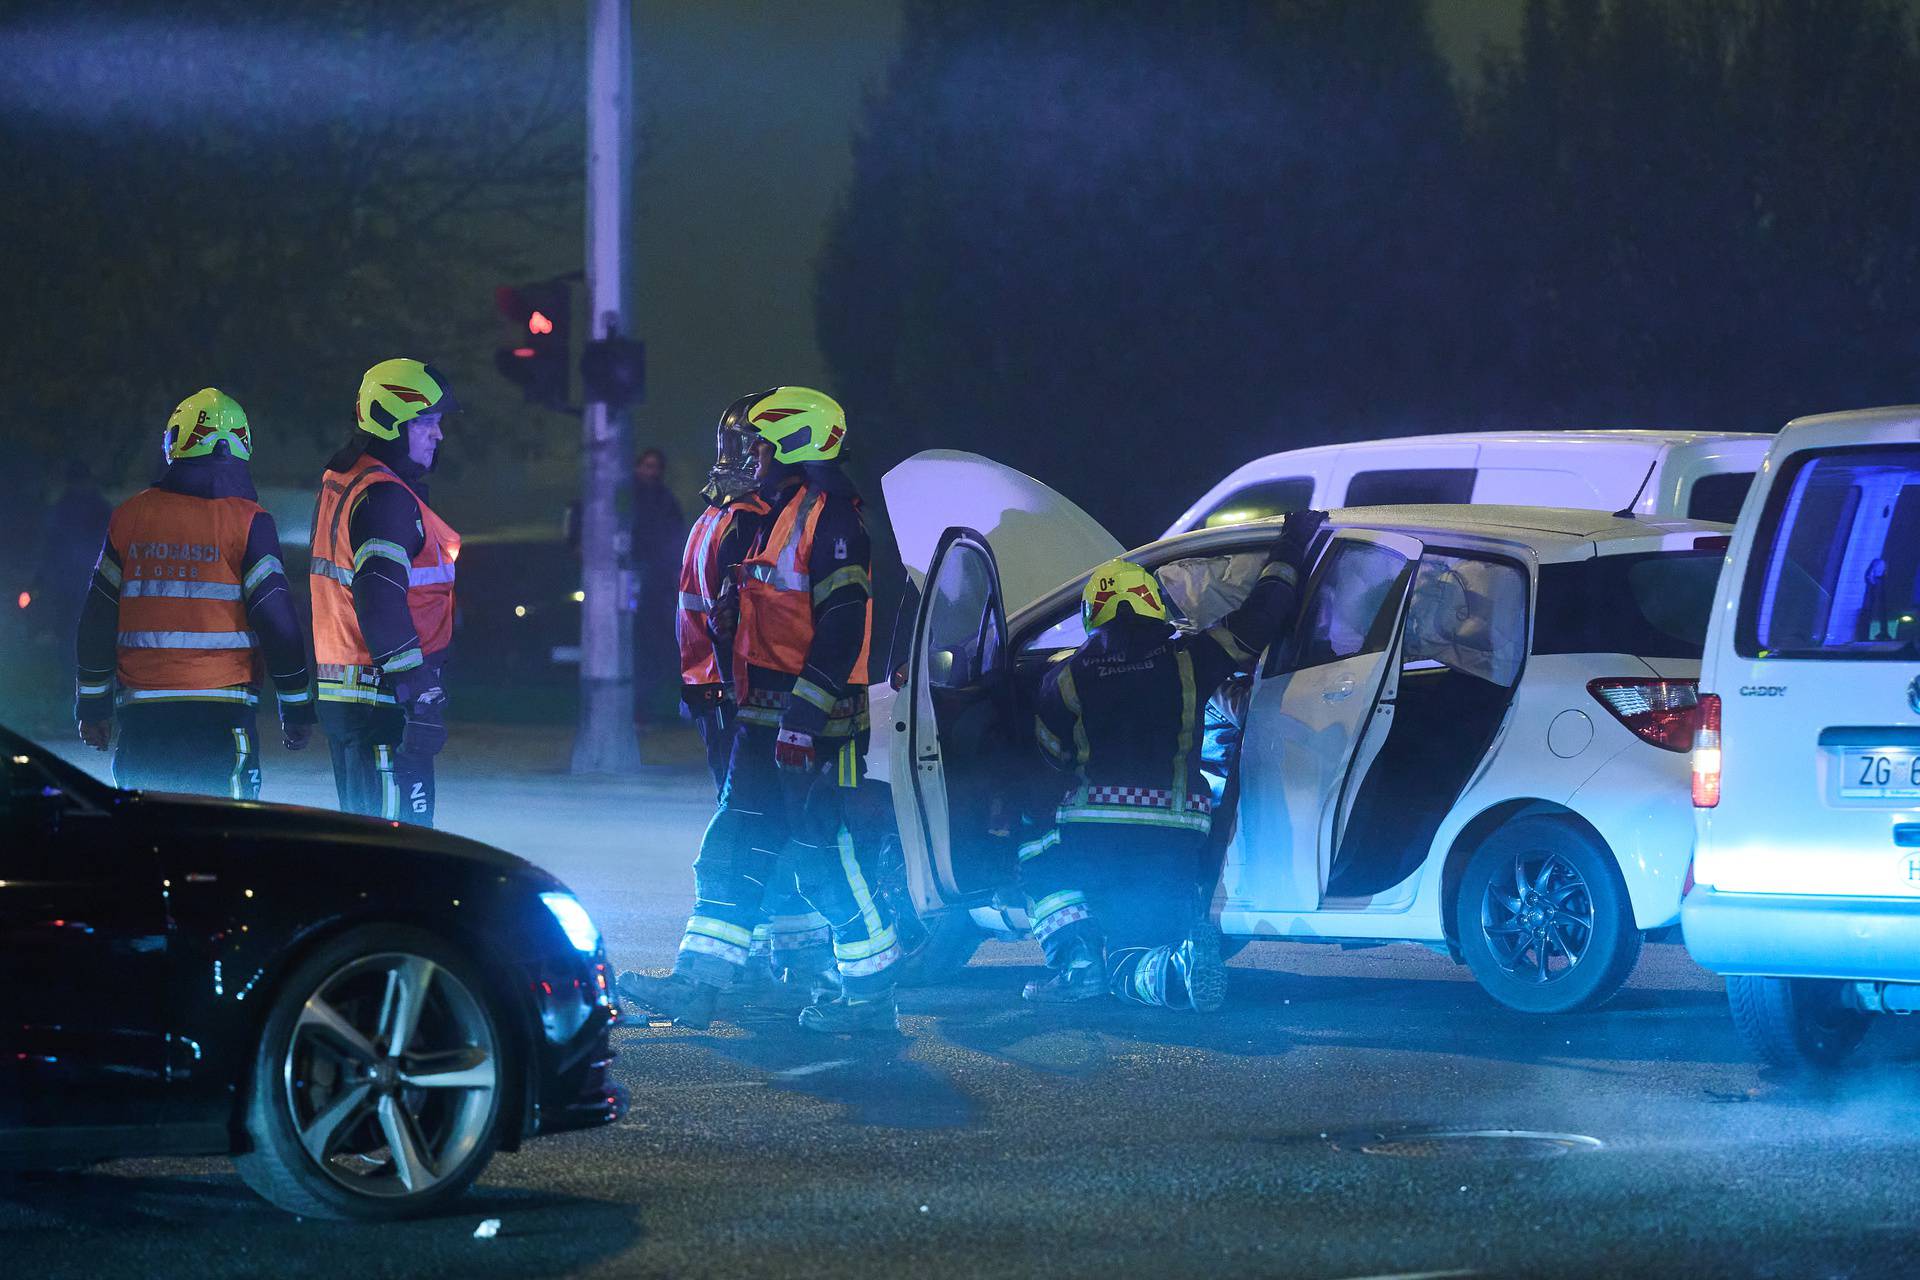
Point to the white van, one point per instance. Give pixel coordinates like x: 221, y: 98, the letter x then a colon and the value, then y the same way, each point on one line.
x: 1702, y: 475
x: 1806, y: 762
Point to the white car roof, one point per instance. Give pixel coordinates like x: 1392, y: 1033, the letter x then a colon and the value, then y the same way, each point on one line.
x: 1642, y: 437
x: 1552, y: 533
x: 1897, y: 423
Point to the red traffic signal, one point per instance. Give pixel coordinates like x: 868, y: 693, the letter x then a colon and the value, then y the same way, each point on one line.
x: 537, y: 360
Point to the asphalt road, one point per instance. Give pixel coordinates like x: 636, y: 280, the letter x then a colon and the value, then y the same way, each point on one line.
x: 1280, y: 1137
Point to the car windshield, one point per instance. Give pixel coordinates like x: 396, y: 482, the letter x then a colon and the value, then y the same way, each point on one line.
x: 1652, y: 605
x: 1201, y: 590
x: 1840, y: 575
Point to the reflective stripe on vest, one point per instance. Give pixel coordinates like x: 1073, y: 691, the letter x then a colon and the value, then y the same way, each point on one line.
x: 337, y: 638
x: 182, y: 625
x: 175, y: 590
x: 186, y: 640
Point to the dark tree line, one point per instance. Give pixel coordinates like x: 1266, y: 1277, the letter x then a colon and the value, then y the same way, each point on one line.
x: 1127, y: 245
x: 268, y: 197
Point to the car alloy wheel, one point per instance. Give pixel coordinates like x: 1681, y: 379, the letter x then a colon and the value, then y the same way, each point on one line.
x: 1538, y: 921
x: 391, y: 1075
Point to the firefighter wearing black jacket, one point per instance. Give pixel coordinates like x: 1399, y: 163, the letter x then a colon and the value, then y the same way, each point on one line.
x: 800, y: 670
x: 1112, y: 885
x: 188, y: 606
x: 382, y: 575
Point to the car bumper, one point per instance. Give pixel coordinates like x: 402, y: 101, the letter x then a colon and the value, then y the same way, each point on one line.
x: 572, y: 1085
x: 1803, y: 936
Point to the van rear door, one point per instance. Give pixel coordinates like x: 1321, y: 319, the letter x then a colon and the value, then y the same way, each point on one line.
x: 1820, y: 688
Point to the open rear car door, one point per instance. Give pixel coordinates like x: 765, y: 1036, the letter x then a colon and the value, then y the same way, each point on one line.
x: 1315, y: 702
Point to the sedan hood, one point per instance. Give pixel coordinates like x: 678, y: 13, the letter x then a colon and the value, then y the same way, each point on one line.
x: 279, y: 824
x: 1039, y: 538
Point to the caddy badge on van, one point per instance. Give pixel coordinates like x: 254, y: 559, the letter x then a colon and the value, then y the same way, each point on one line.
x: 1913, y: 694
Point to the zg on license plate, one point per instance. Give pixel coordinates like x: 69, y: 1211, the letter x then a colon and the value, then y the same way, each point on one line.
x: 1870, y: 773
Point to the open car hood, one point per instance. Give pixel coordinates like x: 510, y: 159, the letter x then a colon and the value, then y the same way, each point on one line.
x: 1039, y: 538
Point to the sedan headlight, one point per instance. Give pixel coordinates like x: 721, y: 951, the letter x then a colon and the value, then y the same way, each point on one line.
x: 574, y: 921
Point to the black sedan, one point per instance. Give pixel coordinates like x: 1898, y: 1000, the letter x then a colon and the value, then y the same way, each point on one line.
x: 360, y: 1012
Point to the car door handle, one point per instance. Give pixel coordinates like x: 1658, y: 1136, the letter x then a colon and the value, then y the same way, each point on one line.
x: 1342, y: 690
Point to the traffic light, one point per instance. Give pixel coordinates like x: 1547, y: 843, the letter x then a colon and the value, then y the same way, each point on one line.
x: 536, y: 360
x: 613, y: 371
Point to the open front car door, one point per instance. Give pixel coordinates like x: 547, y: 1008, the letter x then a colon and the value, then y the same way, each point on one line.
x: 958, y: 714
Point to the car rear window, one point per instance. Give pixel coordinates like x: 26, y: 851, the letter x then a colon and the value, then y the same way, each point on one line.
x: 1718, y: 497
x: 1420, y: 485
x: 1655, y: 604
x: 1258, y: 501
x: 1836, y: 566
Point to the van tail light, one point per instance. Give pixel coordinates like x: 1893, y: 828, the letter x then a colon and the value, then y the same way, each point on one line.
x: 1659, y: 711
x: 1706, y: 753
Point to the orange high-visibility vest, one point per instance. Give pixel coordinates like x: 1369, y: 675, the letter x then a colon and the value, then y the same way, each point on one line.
x: 699, y: 588
x: 183, y: 614
x: 776, y: 598
x: 702, y: 578
x: 336, y: 626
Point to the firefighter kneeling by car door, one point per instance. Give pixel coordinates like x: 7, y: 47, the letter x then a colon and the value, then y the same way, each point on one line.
x: 800, y: 670
x: 1112, y: 885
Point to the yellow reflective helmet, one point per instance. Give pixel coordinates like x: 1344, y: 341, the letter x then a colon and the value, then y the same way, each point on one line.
x: 395, y: 392
x: 802, y: 425
x: 1119, y: 582
x: 202, y: 421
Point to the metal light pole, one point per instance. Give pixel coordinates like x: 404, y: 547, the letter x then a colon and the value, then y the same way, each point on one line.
x: 605, y: 741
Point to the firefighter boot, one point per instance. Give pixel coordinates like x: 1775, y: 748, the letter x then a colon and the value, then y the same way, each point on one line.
x: 842, y: 1016
x: 1197, y: 964
x: 1082, y: 975
x: 675, y: 998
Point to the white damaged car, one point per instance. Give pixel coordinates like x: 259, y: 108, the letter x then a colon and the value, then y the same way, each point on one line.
x: 1474, y: 738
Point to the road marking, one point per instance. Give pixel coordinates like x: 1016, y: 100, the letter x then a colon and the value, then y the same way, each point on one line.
x: 812, y: 1068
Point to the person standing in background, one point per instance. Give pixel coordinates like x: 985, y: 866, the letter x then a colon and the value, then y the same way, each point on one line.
x: 658, y: 532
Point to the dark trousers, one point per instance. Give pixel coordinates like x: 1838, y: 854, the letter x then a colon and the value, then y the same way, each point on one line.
x: 371, y: 774
x: 768, y: 816
x: 788, y: 934
x: 1125, y: 887
x: 202, y: 748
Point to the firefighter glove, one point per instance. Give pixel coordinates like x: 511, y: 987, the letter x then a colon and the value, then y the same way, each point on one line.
x: 1296, y: 540
x: 96, y: 733
x: 426, y: 728
x: 295, y: 737
x: 794, y: 750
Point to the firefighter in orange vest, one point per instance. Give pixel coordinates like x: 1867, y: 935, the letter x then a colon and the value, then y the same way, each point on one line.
x: 800, y: 671
x: 790, y: 939
x: 188, y: 602
x: 382, y: 576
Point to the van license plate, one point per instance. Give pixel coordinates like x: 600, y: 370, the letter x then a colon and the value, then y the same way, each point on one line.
x: 1872, y: 773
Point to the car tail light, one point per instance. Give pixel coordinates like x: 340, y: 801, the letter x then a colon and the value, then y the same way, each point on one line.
x: 1706, y: 752
x: 1659, y: 711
